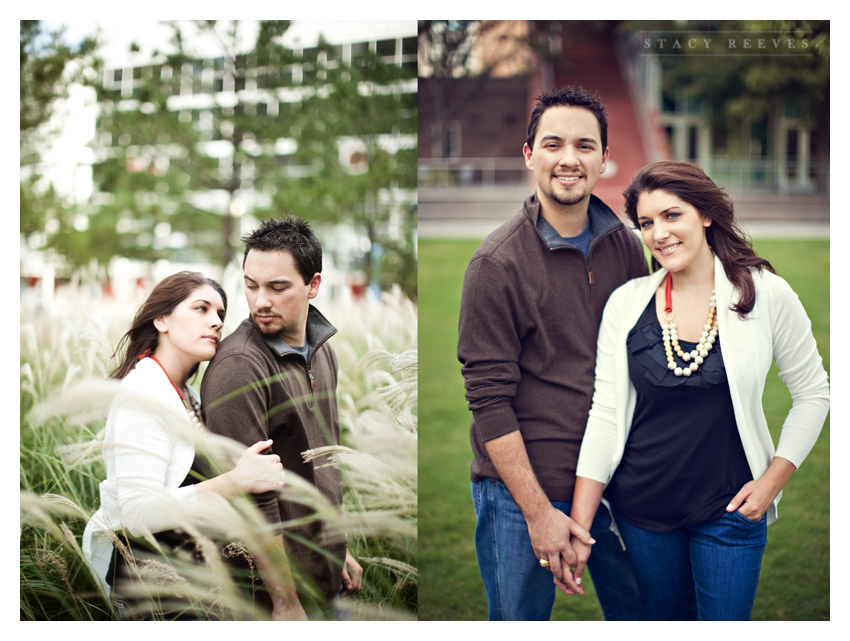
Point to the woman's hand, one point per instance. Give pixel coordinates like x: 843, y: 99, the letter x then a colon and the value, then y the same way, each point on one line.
x: 582, y: 551
x: 755, y: 497
x: 255, y: 472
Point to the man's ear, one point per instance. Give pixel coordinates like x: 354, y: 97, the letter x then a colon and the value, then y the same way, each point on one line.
x: 314, y: 285
x: 526, y: 153
x: 604, y: 162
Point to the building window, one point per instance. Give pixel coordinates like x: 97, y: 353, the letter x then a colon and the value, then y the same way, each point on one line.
x: 335, y: 53
x: 447, y: 139
x: 385, y: 48
x: 692, y: 143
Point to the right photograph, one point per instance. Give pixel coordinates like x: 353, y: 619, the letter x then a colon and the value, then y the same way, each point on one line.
x: 623, y: 308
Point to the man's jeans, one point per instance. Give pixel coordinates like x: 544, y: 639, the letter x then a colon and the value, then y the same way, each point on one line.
x: 518, y: 589
x: 708, y: 573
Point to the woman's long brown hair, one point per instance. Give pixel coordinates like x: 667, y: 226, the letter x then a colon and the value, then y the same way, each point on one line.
x: 689, y: 183
x: 143, y: 335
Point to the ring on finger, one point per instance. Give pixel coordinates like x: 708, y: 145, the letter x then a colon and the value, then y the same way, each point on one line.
x: 544, y: 563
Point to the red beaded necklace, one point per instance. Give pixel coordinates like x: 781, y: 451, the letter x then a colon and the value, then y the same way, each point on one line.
x: 192, y: 405
x: 670, y: 336
x: 148, y: 354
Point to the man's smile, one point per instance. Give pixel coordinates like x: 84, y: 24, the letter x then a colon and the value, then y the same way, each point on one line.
x: 568, y: 180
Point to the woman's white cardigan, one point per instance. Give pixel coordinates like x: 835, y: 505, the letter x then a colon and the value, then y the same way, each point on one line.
x: 777, y: 328
x: 148, y: 448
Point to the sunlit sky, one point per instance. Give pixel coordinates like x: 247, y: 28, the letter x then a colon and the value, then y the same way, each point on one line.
x: 152, y: 35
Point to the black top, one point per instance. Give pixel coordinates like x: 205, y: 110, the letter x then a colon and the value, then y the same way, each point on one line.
x: 683, y: 461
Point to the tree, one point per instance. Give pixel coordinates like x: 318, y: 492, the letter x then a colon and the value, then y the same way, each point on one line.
x: 356, y: 133
x: 459, y: 58
x: 750, y: 88
x: 260, y: 132
x: 452, y: 49
x: 45, y: 60
x: 48, y: 67
x: 162, y: 168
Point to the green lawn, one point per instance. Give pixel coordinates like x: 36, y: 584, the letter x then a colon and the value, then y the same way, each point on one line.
x: 795, y: 571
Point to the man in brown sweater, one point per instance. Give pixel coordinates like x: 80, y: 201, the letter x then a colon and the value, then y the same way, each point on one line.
x: 532, y: 301
x: 275, y: 378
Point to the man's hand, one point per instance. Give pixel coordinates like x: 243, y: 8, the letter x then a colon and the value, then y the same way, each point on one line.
x: 352, y: 576
x: 550, y: 537
x: 278, y: 580
x: 548, y: 527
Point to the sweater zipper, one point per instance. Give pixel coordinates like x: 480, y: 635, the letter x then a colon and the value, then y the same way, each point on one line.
x: 590, y: 278
x: 308, y: 363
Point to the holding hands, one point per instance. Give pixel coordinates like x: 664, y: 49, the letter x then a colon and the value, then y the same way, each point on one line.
x: 553, y: 536
x: 582, y: 553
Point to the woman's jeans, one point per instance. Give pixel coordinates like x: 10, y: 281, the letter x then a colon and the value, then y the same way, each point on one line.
x: 517, y: 588
x: 708, y: 573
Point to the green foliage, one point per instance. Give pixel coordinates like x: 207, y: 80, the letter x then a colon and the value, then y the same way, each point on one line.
x: 35, y: 206
x: 362, y: 101
x: 750, y: 86
x: 788, y: 589
x: 48, y: 67
x: 153, y: 162
x: 45, y: 58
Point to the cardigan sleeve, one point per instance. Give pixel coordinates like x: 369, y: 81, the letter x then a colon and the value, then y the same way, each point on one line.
x: 599, y: 444
x: 144, y: 438
x: 800, y: 368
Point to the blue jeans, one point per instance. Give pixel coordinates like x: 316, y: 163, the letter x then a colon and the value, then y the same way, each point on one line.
x: 517, y: 588
x: 707, y: 573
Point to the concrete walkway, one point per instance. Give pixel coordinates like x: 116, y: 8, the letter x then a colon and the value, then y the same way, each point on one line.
x: 470, y: 213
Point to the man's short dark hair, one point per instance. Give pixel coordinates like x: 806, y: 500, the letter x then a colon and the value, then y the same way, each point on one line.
x: 568, y: 97
x: 288, y: 234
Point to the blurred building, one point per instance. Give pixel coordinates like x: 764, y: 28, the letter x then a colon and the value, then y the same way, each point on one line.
x: 128, y: 70
x: 252, y: 87
x: 478, y: 83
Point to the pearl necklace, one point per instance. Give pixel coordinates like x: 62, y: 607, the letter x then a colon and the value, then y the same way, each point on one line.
x: 670, y: 335
x: 192, y: 407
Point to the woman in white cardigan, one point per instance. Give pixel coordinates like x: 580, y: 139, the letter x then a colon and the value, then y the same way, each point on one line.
x: 153, y: 422
x: 677, y: 438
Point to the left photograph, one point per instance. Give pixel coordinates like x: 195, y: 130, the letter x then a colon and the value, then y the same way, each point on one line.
x: 218, y: 320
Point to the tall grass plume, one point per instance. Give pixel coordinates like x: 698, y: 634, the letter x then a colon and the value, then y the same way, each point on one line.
x: 66, y: 354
